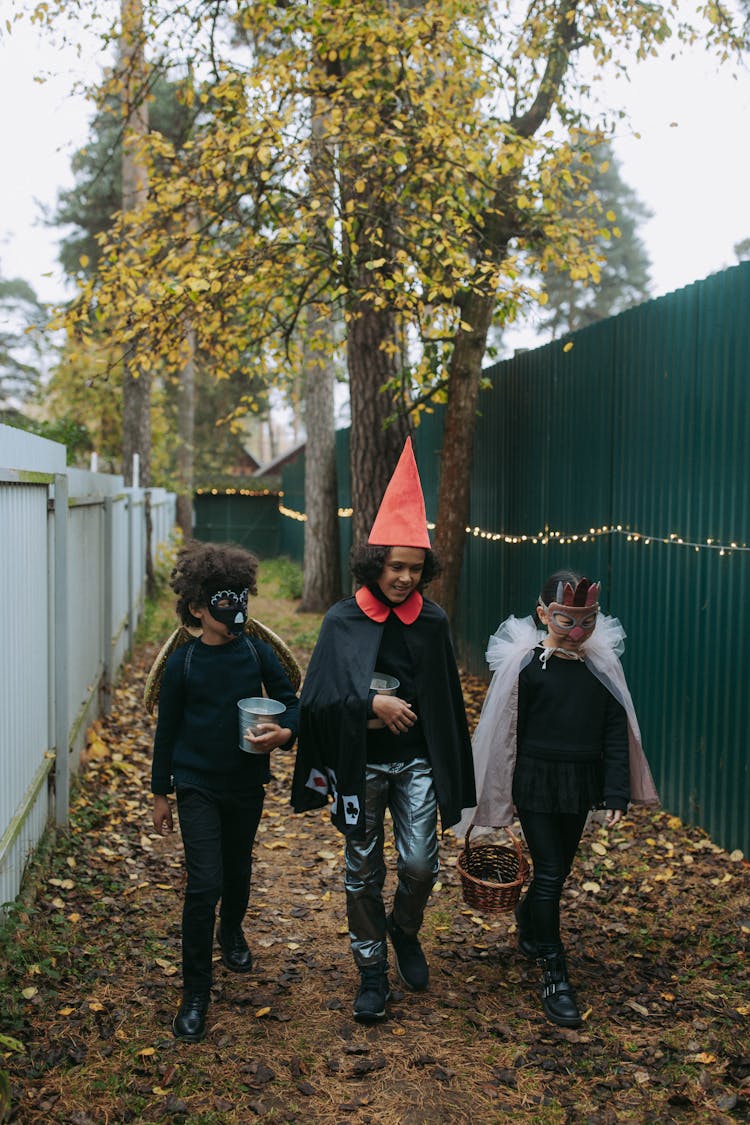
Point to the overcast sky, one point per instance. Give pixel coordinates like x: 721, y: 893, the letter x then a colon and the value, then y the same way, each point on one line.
x: 691, y: 165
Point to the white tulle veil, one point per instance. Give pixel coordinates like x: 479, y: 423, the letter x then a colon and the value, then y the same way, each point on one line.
x: 509, y: 649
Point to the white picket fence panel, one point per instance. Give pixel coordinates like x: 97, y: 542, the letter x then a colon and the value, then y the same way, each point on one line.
x: 72, y: 579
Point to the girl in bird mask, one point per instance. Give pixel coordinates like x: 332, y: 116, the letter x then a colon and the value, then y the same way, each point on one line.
x: 557, y: 737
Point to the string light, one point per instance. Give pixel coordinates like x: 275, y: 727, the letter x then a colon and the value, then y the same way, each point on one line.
x: 236, y: 492
x: 551, y: 536
x: 301, y: 517
x: 342, y: 513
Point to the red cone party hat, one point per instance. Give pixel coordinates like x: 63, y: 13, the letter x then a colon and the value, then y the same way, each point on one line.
x: 401, y: 520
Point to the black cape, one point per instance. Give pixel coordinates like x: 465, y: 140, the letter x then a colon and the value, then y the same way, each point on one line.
x: 332, y: 741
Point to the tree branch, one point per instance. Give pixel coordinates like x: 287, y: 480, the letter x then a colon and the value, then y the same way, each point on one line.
x: 527, y: 123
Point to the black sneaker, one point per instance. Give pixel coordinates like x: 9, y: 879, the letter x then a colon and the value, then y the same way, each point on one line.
x: 410, y: 960
x: 189, y: 1024
x: 373, y: 994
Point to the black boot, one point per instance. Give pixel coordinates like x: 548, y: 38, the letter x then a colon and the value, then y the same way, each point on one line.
x: 526, y: 942
x: 234, y: 951
x: 558, y: 996
x: 190, y: 1022
x: 410, y: 960
x: 373, y: 994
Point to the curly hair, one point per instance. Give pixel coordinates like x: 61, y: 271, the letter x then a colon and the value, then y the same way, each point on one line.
x: 203, y: 568
x: 366, y: 564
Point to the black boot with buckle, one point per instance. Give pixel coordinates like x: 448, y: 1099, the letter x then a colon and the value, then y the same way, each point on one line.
x: 558, y: 995
x: 234, y: 951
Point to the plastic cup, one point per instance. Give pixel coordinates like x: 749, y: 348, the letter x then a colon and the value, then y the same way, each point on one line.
x: 252, y: 711
x: 383, y: 685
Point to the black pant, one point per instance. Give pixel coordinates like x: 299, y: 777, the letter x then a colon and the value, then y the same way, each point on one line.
x: 218, y: 831
x: 552, y: 840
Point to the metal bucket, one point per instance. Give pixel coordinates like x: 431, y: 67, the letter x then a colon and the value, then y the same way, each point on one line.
x: 252, y: 711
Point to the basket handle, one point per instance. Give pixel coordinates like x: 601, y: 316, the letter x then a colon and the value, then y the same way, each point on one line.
x: 513, y: 839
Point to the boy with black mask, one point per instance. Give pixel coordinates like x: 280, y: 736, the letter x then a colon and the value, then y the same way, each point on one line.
x: 219, y: 789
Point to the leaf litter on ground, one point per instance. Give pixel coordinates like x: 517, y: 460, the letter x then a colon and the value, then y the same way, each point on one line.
x: 656, y: 920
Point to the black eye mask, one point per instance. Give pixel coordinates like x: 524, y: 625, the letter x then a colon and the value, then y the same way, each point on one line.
x: 233, y: 615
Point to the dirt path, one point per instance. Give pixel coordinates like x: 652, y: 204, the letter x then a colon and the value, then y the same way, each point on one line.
x: 656, y: 920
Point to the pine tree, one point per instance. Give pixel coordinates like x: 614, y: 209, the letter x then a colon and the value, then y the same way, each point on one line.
x: 624, y: 272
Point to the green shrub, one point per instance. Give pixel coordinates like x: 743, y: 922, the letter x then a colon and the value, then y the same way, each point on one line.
x: 285, y: 575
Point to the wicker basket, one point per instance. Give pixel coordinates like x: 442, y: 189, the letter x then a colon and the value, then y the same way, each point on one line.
x: 492, y: 875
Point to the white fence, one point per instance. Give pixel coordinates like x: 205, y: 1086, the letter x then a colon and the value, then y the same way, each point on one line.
x: 72, y: 580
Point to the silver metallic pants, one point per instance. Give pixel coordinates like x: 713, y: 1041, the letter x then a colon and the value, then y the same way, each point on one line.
x: 406, y: 788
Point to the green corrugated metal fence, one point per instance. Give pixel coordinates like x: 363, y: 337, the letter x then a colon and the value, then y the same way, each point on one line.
x: 250, y: 519
x: 635, y: 441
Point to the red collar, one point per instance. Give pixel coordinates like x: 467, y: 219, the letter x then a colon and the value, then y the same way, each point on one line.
x: 407, y: 612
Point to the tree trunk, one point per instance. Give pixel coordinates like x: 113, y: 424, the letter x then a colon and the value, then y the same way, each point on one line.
x: 136, y: 382
x: 322, y: 561
x: 454, y: 496
x: 374, y: 446
x: 322, y: 568
x: 186, y: 431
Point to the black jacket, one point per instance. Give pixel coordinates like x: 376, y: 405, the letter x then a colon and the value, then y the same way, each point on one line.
x: 332, y: 751
x: 197, y: 732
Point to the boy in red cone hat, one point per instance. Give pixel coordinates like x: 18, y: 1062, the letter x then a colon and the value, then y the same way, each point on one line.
x: 409, y: 752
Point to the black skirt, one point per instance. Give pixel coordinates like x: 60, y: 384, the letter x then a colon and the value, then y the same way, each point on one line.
x: 550, y: 786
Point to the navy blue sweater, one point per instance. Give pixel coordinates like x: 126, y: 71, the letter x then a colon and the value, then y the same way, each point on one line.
x: 197, y: 732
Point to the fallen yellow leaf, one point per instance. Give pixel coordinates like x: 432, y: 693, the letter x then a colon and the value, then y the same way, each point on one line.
x: 262, y: 1012
x: 97, y: 749
x: 701, y: 1057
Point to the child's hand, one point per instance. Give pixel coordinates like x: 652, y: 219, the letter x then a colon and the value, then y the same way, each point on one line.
x: 162, y: 815
x: 395, y: 713
x: 613, y: 817
x: 267, y: 737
